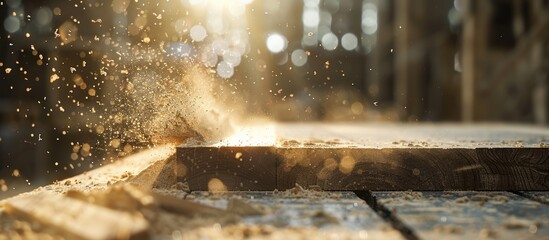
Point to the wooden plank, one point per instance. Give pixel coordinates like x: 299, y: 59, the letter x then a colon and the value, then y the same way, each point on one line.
x: 298, y: 214
x: 228, y: 168
x: 128, y: 197
x: 180, y: 206
x: 376, y: 157
x: 142, y: 168
x: 468, y: 215
x: 77, y: 219
x: 540, y: 196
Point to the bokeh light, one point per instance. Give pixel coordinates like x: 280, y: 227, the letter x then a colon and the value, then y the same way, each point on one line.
x: 299, y: 57
x: 43, y: 16
x: 198, y: 33
x: 369, y: 18
x: 349, y: 41
x: 276, y: 43
x: 329, y: 41
x: 225, y: 70
x: 12, y: 24
x: 311, y: 17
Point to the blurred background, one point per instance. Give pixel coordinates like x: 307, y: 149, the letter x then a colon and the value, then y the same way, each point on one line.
x: 66, y: 65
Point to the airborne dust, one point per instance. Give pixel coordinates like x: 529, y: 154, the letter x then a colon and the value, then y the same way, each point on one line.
x: 124, y: 74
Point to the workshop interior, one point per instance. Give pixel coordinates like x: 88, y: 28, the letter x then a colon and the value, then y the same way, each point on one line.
x: 322, y: 103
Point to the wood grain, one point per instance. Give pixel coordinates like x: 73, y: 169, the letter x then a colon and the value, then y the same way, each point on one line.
x: 238, y: 168
x: 416, y: 169
x: 468, y: 215
x: 290, y: 215
x: 378, y: 157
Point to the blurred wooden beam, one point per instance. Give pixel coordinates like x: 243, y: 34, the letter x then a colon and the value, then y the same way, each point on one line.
x: 476, y: 15
x: 541, y: 90
x: 409, y: 59
x: 378, y: 72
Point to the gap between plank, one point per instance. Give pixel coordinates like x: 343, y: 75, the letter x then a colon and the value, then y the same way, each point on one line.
x: 387, y: 215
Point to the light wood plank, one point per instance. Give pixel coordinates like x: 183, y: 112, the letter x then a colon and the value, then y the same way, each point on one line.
x: 77, y: 219
x: 468, y: 215
x: 142, y: 169
x: 298, y: 214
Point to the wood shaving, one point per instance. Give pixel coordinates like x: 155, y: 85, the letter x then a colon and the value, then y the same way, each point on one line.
x: 412, y: 195
x: 322, y: 218
x: 480, y: 198
x: 243, y: 208
x: 499, y: 199
x: 122, y: 197
x: 299, y: 192
x: 448, y: 229
x: 464, y: 199
x: 488, y: 233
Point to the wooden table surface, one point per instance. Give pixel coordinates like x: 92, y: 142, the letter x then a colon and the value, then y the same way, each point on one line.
x: 292, y: 214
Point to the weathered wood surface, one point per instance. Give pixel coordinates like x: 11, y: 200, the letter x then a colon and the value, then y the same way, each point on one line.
x: 375, y: 157
x: 540, y: 196
x: 176, y: 205
x: 468, y: 215
x: 299, y: 214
